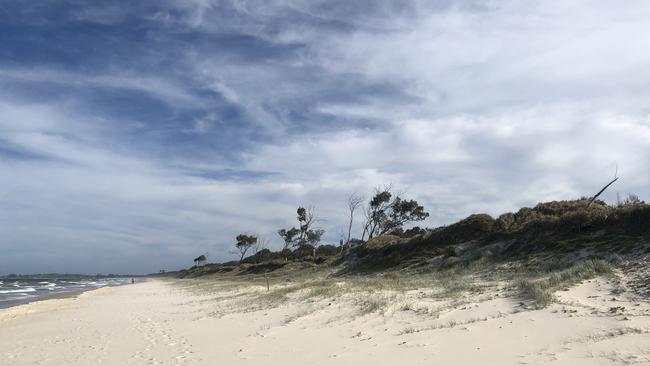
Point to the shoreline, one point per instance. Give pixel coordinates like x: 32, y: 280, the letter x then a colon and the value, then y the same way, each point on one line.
x: 73, y: 293
x: 46, y: 305
x: 56, y: 296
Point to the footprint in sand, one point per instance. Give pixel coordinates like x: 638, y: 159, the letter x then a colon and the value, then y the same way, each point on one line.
x: 159, y: 333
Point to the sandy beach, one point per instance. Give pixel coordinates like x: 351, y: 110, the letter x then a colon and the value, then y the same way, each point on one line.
x: 190, y: 323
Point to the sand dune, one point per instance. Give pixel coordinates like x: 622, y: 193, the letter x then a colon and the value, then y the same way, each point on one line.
x: 166, y: 323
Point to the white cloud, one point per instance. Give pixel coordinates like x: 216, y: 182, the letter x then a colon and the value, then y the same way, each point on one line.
x: 473, y: 109
x: 476, y: 163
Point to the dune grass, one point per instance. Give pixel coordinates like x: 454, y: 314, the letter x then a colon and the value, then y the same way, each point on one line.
x: 370, y: 293
x: 540, y: 290
x: 396, y: 290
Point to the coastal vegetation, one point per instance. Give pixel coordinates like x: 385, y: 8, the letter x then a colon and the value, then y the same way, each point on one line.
x: 529, y: 254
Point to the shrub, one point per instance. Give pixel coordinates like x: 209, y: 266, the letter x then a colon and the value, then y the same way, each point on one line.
x: 327, y: 250
x: 382, y: 241
x: 505, y: 222
x: 449, y: 251
x: 631, y: 200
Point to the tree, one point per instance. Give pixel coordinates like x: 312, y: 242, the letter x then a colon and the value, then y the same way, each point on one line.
x: 312, y: 237
x: 245, y: 242
x: 376, y: 212
x: 354, y: 201
x: 385, y: 213
x: 401, y: 212
x: 200, y: 260
x: 288, y: 236
x: 305, y: 234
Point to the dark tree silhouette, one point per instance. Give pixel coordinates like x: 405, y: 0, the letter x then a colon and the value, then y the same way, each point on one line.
x: 385, y: 213
x: 244, y: 243
x: 200, y: 260
x: 305, y: 234
x: 288, y: 236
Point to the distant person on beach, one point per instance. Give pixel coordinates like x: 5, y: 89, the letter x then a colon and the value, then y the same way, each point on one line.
x: 132, y: 281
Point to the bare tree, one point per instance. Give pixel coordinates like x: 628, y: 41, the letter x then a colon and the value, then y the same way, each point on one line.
x: 354, y: 200
x: 630, y: 200
x: 262, y: 243
x: 591, y: 201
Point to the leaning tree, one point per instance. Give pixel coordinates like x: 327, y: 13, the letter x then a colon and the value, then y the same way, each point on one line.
x: 386, y: 213
x: 200, y: 260
x: 244, y: 243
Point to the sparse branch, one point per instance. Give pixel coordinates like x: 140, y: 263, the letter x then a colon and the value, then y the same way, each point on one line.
x: 591, y: 201
x: 304, y: 234
x: 262, y: 243
x: 354, y: 200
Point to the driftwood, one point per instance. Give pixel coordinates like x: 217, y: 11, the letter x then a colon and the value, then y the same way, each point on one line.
x: 601, y: 191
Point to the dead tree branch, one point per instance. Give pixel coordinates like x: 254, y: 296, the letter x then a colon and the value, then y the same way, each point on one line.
x: 601, y: 191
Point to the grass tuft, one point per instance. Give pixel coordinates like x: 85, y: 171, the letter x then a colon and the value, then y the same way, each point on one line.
x: 541, y: 290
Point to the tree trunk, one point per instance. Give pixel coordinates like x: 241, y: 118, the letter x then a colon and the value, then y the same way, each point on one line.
x: 600, y: 192
x: 350, y: 228
x: 242, y: 255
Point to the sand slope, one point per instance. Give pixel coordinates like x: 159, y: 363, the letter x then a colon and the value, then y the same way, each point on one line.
x: 156, y: 323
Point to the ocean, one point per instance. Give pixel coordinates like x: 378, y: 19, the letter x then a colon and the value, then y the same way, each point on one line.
x: 21, y: 291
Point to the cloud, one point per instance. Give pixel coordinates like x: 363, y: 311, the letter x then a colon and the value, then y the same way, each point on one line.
x: 138, y: 136
x: 159, y: 88
x: 469, y: 163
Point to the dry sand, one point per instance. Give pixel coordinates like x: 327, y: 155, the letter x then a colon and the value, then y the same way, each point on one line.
x: 163, y: 323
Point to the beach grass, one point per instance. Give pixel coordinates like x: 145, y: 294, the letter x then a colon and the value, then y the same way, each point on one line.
x: 540, y: 290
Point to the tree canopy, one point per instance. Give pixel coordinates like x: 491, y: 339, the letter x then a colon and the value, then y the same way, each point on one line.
x: 304, y: 234
x: 244, y: 243
x: 385, y: 214
x: 200, y: 259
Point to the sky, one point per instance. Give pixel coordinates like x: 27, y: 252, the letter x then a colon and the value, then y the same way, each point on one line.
x: 137, y: 135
